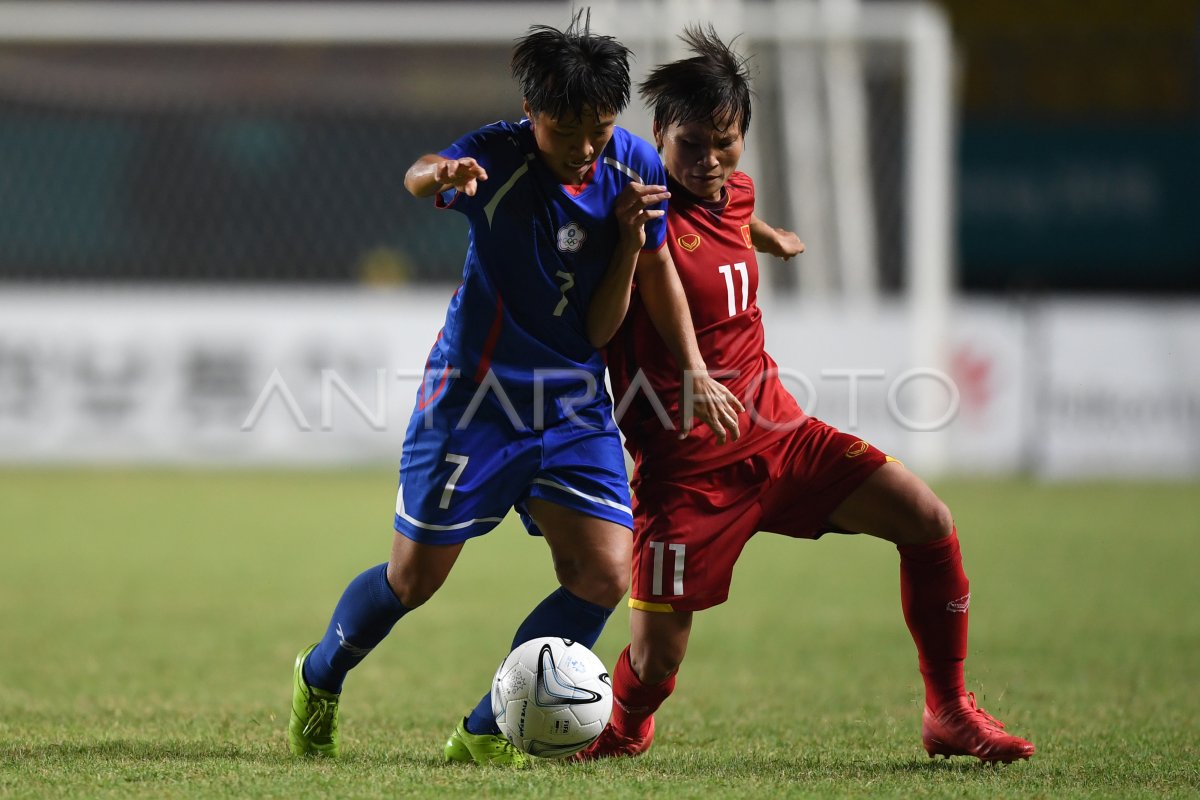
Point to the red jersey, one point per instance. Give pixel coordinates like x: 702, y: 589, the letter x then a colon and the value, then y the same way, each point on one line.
x: 711, y: 247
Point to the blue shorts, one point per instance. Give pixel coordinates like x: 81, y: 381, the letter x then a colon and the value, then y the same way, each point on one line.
x: 466, y: 462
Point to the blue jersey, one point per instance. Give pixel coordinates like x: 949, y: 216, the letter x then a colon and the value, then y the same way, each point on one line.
x: 536, y: 253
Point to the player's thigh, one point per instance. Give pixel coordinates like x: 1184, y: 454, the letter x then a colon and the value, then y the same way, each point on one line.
x: 591, y: 554
x: 689, y: 534
x: 459, y: 477
x: 582, y: 468
x: 658, y: 642
x: 579, y: 501
x: 812, y: 472
x: 896, y: 505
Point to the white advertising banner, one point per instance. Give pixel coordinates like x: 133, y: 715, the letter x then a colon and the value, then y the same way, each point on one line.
x: 248, y: 377
x: 1117, y: 390
x: 211, y: 377
x: 854, y: 370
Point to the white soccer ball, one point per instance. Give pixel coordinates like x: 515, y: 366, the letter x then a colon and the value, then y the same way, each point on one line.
x: 551, y: 697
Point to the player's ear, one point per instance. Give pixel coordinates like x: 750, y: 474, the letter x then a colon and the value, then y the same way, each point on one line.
x: 527, y: 109
x: 658, y: 135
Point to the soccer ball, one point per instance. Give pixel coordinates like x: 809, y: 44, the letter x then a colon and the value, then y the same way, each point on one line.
x: 551, y: 697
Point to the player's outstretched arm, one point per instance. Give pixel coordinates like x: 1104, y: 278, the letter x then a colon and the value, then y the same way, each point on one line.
x: 704, y: 397
x: 777, y: 242
x: 432, y: 173
x: 610, y: 303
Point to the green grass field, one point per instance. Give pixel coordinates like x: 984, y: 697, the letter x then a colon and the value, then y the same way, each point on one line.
x: 150, y: 620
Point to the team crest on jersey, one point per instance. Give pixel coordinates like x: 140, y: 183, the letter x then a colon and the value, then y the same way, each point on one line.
x: 857, y: 449
x: 746, y: 237
x: 689, y: 241
x: 571, y: 237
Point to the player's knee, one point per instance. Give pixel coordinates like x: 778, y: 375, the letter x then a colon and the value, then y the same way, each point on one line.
x: 931, y: 521
x: 411, y: 588
x: 602, y: 583
x: 654, y: 663
x: 614, y: 589
x: 604, y: 589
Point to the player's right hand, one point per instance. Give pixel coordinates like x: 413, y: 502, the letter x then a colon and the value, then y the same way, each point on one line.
x: 785, y: 244
x: 461, y: 173
x: 712, y: 403
x: 633, y: 209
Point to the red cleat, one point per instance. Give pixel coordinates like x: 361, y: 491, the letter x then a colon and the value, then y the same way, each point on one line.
x: 965, y: 729
x: 611, y: 744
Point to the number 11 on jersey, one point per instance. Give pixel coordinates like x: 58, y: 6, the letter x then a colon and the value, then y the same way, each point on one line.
x: 727, y: 271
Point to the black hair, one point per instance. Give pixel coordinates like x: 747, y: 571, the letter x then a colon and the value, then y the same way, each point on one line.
x: 713, y: 85
x: 566, y: 71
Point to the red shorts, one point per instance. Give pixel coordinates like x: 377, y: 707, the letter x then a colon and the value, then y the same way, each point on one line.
x: 689, y: 532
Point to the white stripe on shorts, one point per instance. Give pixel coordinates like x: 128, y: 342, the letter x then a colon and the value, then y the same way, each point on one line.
x: 577, y: 493
x: 400, y: 512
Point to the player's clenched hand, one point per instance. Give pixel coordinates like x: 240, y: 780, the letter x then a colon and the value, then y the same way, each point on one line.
x: 633, y: 210
x: 785, y: 244
x: 708, y: 400
x: 461, y: 173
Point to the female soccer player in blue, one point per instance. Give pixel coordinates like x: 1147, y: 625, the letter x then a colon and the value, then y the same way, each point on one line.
x: 513, y: 412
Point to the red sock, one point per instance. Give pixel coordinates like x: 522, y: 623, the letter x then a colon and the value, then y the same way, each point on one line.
x: 935, y: 594
x: 634, y: 702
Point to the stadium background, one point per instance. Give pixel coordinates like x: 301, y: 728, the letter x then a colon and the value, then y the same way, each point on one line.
x: 187, y: 230
x: 295, y: 179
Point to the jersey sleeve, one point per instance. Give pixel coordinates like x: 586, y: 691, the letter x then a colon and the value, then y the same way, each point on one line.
x: 650, y: 167
x: 486, y: 145
x: 744, y: 184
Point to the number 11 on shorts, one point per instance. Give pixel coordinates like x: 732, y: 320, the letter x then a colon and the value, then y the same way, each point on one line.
x: 659, y: 548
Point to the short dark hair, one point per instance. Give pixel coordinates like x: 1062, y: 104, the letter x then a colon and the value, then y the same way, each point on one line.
x: 561, y: 71
x: 713, y: 85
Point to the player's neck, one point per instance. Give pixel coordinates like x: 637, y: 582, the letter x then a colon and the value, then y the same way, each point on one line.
x: 586, y: 181
x: 679, y: 192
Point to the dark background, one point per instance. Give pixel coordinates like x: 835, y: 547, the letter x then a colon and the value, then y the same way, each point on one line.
x: 1078, y: 156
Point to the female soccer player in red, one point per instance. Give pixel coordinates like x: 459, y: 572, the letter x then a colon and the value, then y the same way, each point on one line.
x: 697, y: 505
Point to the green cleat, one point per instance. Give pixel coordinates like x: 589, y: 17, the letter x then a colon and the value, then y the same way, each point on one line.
x: 484, y: 748
x: 313, y: 729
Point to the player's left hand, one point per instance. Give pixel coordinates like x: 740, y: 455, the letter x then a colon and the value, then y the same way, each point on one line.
x: 712, y: 403
x: 633, y: 210
x: 785, y: 244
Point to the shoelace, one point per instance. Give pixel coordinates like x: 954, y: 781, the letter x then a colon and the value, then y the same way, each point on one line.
x: 504, y: 748
x: 987, y: 718
x: 323, y: 710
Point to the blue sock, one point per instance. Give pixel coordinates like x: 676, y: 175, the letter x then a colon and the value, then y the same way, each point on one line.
x: 561, y: 614
x: 363, y: 617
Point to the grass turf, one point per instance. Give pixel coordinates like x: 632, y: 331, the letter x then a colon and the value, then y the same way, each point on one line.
x: 150, y: 620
